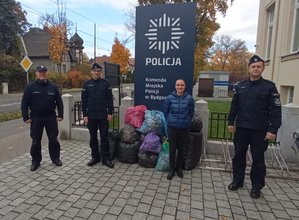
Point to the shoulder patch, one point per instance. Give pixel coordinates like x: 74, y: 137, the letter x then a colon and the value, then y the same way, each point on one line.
x: 276, y: 99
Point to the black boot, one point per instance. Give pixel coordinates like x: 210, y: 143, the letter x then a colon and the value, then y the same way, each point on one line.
x: 93, y: 161
x: 234, y: 186
x: 180, y: 172
x: 170, y: 174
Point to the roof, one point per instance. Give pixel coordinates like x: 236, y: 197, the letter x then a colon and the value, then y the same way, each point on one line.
x: 101, y: 60
x: 76, y: 42
x: 36, y: 41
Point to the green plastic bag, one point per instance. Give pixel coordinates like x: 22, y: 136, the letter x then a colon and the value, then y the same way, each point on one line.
x: 163, y: 159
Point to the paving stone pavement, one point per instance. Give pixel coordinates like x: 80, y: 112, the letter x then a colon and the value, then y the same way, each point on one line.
x: 129, y: 191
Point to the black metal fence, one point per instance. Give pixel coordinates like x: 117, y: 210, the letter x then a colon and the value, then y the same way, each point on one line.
x: 218, y: 126
x: 217, y: 122
x: 78, y: 116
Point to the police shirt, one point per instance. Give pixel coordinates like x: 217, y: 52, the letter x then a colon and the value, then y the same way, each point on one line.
x: 256, y: 105
x: 41, y: 98
x: 97, y: 99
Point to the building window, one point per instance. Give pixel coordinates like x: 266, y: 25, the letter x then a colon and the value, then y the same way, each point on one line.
x: 295, y: 45
x: 270, y: 24
x: 290, y: 94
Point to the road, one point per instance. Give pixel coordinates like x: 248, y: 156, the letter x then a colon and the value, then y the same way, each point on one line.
x: 12, y: 102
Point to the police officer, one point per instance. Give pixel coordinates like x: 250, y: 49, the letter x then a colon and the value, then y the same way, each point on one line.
x: 42, y: 98
x: 255, y: 117
x: 97, y: 107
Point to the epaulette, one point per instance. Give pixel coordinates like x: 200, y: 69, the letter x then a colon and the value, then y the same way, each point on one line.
x: 105, y: 80
x: 269, y: 81
x: 244, y: 80
x: 235, y: 85
x: 29, y: 84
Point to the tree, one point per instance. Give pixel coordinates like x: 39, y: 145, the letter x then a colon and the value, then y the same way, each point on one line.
x: 58, y: 44
x: 11, y: 72
x: 58, y: 27
x: 12, y: 23
x: 85, y: 58
x: 228, y: 54
x: 76, y: 78
x: 120, y: 55
x: 206, y: 24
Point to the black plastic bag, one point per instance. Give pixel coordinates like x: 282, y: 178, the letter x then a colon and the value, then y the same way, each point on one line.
x: 196, y: 124
x: 147, y: 159
x: 113, y: 137
x: 192, y: 151
x: 129, y: 134
x: 128, y: 153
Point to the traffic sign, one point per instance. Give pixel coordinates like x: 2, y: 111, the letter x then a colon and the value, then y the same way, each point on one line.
x: 26, y: 63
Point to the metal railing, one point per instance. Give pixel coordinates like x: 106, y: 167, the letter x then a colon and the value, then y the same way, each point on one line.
x: 78, y: 116
x: 218, y: 126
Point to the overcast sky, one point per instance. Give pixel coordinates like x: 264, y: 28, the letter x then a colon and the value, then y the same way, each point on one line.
x: 110, y: 17
x: 241, y: 22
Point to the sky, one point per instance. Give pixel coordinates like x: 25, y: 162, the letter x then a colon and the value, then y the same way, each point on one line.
x: 107, y: 18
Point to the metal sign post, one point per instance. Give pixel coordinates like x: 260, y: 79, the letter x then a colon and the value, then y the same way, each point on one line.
x: 26, y: 63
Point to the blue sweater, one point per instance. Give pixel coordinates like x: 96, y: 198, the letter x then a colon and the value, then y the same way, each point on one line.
x: 179, y: 110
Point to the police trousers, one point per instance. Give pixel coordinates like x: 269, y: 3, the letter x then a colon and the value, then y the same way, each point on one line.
x: 258, y: 145
x: 36, y: 132
x: 93, y: 126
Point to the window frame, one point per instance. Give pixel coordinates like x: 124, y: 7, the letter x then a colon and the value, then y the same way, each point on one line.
x: 270, y: 26
x: 291, y: 94
x: 295, y: 30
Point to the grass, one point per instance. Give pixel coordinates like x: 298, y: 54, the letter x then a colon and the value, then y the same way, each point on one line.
x: 219, y: 106
x: 6, y: 116
x: 114, y: 123
x: 218, y: 122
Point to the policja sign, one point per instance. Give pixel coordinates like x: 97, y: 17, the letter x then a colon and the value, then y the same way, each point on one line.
x: 164, y: 51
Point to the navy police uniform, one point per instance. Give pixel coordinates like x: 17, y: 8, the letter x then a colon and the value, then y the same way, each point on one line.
x: 97, y: 103
x: 42, y: 98
x: 255, y: 110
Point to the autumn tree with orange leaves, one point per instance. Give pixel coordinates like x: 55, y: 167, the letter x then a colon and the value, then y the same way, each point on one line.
x: 57, y: 26
x: 228, y: 54
x: 58, y: 42
x: 120, y: 55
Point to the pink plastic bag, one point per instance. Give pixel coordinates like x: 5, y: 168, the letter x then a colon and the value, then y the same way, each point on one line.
x: 135, y: 115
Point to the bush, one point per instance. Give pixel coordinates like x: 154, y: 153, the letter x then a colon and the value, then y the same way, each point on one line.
x: 12, y: 73
x: 76, y: 78
x: 56, y: 77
